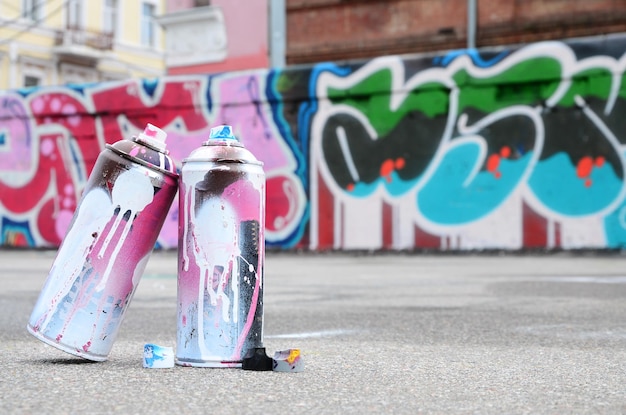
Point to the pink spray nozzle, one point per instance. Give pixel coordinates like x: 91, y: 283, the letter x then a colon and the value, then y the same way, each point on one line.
x: 153, y: 136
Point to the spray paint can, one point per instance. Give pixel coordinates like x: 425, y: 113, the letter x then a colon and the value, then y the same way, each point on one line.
x: 221, y: 253
x: 105, y: 251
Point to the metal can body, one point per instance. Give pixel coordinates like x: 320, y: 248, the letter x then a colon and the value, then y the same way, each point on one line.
x: 105, y: 250
x: 221, y: 255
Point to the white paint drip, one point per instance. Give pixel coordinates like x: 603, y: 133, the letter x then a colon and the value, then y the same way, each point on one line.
x: 188, y: 199
x: 131, y: 192
x: 213, y: 242
x: 91, y: 218
x: 107, y: 240
x: 216, y: 247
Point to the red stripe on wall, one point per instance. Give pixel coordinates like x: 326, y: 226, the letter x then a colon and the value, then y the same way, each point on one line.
x: 342, y: 220
x: 424, y: 239
x: 534, y: 228
x: 325, y: 215
x: 387, y: 226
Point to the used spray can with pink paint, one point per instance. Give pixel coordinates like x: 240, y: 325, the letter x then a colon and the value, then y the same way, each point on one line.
x: 221, y: 253
x: 105, y: 251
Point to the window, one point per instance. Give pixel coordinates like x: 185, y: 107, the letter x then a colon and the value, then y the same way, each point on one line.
x: 201, y: 3
x: 31, y: 81
x: 110, y: 16
x: 147, y: 24
x: 74, y: 14
x: 31, y: 9
x: 33, y: 73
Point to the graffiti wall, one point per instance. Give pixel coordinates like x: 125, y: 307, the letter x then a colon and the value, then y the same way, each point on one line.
x: 509, y: 149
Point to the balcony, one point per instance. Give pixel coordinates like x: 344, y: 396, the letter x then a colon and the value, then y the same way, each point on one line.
x: 194, y: 36
x: 81, y: 46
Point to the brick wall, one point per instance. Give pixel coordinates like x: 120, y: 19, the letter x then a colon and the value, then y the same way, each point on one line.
x: 321, y: 30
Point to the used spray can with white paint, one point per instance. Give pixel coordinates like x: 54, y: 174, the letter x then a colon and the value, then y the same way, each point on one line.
x: 221, y: 253
x: 105, y: 251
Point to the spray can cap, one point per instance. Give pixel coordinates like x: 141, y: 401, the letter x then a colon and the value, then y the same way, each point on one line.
x: 153, y: 136
x: 222, y: 146
x: 222, y: 133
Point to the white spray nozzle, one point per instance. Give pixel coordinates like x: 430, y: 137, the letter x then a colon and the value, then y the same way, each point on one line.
x: 153, y: 136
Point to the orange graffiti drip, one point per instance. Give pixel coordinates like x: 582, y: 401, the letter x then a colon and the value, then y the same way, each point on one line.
x: 493, y: 162
x: 584, y: 167
x: 386, y: 168
x: 400, y: 163
x: 599, y: 161
x: 389, y: 166
x: 505, y: 152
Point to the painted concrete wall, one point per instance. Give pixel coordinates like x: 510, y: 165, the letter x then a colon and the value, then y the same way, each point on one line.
x: 511, y: 149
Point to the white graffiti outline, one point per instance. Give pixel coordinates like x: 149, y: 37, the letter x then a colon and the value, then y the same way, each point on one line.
x: 557, y: 51
x: 469, y: 133
x: 345, y: 150
x: 326, y: 109
x: 614, y: 141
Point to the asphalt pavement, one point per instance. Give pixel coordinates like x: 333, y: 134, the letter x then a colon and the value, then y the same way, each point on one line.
x: 386, y: 333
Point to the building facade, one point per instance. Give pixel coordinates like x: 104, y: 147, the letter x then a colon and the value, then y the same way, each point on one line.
x: 50, y: 42
x: 58, y: 42
x: 215, y: 36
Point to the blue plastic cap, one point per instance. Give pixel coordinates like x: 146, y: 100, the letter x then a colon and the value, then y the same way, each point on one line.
x: 223, y: 132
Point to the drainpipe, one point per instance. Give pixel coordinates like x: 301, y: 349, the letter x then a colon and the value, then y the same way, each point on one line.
x: 471, y: 24
x: 277, y: 33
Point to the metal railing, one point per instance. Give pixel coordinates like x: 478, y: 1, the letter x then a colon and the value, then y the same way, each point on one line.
x: 82, y: 37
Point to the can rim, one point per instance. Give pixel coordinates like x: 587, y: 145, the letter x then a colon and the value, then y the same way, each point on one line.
x: 142, y: 162
x: 222, y: 160
x: 222, y: 142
